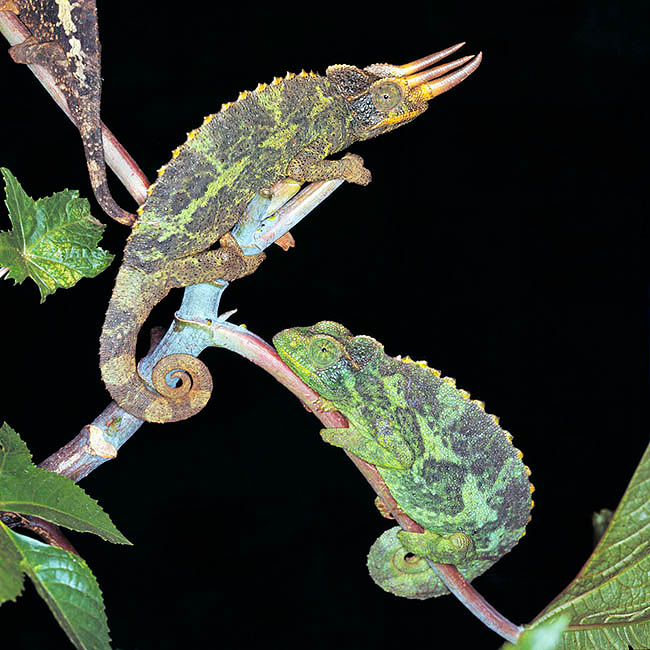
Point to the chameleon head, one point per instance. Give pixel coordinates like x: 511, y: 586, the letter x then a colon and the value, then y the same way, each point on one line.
x: 326, y: 356
x: 384, y: 96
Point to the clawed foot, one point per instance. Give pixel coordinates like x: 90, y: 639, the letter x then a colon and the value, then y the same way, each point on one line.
x: 247, y: 264
x: 355, y: 172
x: 454, y: 548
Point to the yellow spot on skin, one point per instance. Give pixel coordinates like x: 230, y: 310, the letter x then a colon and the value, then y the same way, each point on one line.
x: 199, y: 398
x: 449, y: 380
x: 532, y: 488
x: 226, y: 106
x: 65, y: 16
x: 276, y: 81
x: 158, y: 411
x: 290, y: 75
x: 527, y: 470
x: 208, y: 118
x: 243, y: 94
x: 303, y: 74
x: 192, y: 134
x: 494, y: 417
x: 139, y: 210
x: 117, y: 371
x: 176, y: 152
x: 464, y: 393
x: 161, y: 170
x: 261, y: 87
x: 532, y: 504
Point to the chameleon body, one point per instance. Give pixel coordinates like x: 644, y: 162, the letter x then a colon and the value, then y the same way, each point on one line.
x: 446, y: 462
x: 283, y: 129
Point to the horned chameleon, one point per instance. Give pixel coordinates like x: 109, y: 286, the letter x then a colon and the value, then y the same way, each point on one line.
x: 283, y: 129
x: 446, y: 462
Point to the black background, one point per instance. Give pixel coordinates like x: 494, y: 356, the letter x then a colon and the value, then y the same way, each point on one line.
x: 500, y: 240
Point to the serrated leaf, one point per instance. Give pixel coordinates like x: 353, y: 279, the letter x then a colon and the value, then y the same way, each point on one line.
x: 609, y: 600
x: 29, y: 490
x: 544, y: 637
x: 66, y: 584
x: 11, y: 575
x: 53, y: 240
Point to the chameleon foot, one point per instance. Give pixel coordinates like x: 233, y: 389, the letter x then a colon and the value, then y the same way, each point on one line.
x: 246, y: 264
x: 454, y: 548
x: 384, y: 510
x: 353, y: 169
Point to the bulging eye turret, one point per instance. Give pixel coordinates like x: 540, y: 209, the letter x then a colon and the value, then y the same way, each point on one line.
x: 386, y: 95
x: 324, y: 351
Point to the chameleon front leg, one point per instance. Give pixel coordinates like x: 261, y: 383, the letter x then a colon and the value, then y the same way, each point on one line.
x: 309, y: 166
x: 399, y: 456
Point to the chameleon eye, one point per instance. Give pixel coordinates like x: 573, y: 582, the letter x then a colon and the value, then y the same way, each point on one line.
x: 324, y: 351
x: 386, y: 95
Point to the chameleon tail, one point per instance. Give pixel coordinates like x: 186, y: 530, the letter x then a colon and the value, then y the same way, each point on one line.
x: 403, y: 574
x: 91, y: 137
x: 135, y: 295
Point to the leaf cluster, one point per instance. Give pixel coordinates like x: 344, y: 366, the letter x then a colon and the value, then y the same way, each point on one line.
x: 60, y: 576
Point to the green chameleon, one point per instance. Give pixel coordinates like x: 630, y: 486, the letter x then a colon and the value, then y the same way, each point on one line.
x: 284, y: 129
x: 446, y: 462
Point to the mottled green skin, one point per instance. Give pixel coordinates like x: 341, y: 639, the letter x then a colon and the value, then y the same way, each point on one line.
x: 447, y: 463
x: 284, y: 129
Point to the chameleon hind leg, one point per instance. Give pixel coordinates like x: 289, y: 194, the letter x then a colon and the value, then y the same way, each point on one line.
x: 453, y: 548
x: 227, y: 262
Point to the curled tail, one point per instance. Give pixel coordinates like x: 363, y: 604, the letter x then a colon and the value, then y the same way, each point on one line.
x: 401, y: 573
x: 135, y: 295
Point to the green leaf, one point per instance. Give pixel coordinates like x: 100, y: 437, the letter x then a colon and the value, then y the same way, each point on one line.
x: 11, y: 575
x: 65, y: 583
x: 544, y: 637
x: 53, y: 241
x: 27, y: 489
x: 609, y: 600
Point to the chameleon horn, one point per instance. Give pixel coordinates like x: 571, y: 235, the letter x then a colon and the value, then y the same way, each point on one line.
x: 418, y: 79
x: 443, y: 84
x: 388, y: 69
x: 425, y: 62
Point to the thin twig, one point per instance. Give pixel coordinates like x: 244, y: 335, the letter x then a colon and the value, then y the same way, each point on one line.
x: 46, y: 530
